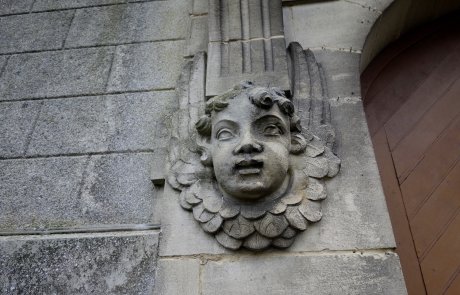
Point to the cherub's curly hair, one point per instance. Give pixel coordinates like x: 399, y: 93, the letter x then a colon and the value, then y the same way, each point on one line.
x: 259, y: 96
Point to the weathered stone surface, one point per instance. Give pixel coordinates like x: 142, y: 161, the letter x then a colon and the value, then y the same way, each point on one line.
x: 355, y: 214
x: 21, y: 32
x: 199, y: 7
x: 391, y: 26
x: 379, y: 5
x: 111, y: 263
x: 146, y: 66
x: 40, y: 5
x: 157, y: 172
x: 75, y: 191
x: 265, y: 60
x: 228, y: 22
x: 386, y: 30
x: 320, y: 274
x: 3, y: 61
x: 16, y: 126
x: 134, y: 22
x: 328, y: 24
x: 177, y: 276
x: 197, y: 39
x: 125, y: 122
x: 117, y: 189
x: 15, y: 6
x: 342, y: 72
x: 39, y: 191
x: 181, y: 234
x: 234, y: 55
x: 56, y: 73
x: 288, y: 25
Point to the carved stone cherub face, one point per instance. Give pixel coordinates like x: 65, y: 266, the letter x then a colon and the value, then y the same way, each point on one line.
x: 250, y: 149
x: 250, y: 142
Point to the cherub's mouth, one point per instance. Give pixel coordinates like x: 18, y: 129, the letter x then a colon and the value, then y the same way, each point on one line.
x: 246, y: 167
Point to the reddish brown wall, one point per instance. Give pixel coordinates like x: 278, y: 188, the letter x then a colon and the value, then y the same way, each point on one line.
x: 411, y: 94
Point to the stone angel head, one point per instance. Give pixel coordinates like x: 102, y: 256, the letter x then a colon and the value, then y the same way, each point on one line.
x: 248, y: 171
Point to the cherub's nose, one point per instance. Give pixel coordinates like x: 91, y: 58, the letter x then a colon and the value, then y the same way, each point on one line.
x: 248, y: 145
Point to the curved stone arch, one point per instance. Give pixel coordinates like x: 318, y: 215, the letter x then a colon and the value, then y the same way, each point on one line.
x: 399, y: 18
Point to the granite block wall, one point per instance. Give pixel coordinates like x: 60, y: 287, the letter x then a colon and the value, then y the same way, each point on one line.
x: 86, y: 97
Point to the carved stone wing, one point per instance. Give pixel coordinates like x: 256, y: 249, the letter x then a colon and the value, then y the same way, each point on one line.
x: 184, y: 158
x: 310, y: 96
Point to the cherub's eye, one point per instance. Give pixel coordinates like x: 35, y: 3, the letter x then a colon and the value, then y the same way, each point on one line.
x: 224, y: 134
x: 272, y: 130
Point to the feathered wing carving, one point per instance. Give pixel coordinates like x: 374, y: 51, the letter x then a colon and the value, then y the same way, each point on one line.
x: 184, y: 155
x: 309, y: 94
x: 275, y: 222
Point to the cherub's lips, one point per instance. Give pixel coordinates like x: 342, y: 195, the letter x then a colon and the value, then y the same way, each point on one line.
x: 251, y: 166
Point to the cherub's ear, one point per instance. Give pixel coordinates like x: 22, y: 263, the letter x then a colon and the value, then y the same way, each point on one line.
x: 206, y: 157
x: 298, y: 143
x: 204, y: 148
x: 203, y: 126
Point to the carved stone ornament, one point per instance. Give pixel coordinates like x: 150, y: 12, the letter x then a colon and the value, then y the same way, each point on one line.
x: 251, y: 175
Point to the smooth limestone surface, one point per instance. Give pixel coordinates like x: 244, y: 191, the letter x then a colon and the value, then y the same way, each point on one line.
x: 319, y: 275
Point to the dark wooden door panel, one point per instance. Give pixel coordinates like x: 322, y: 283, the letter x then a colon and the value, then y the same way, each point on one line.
x: 415, y: 144
x: 432, y: 168
x: 413, y: 110
x: 437, y: 212
x: 423, y: 98
x: 443, y: 260
x: 405, y: 244
x: 454, y: 287
x: 418, y: 54
x: 405, y: 74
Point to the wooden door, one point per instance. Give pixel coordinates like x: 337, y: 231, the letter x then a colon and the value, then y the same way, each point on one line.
x: 411, y: 94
